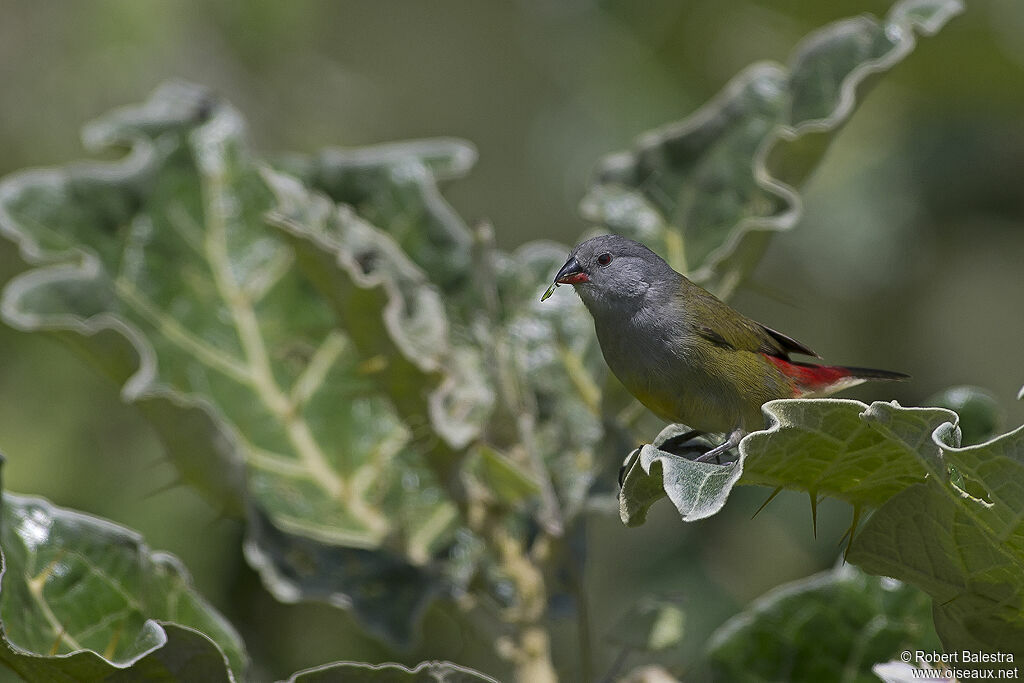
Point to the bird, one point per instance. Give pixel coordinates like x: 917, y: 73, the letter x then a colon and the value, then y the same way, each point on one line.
x: 684, y: 353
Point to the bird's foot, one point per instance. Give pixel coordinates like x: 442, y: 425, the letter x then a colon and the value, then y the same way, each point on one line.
x: 677, y: 442
x: 718, y: 451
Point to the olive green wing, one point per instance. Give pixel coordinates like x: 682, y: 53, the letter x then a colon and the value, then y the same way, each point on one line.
x: 724, y: 326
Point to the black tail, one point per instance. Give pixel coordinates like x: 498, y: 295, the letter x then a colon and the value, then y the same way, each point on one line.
x: 872, y: 374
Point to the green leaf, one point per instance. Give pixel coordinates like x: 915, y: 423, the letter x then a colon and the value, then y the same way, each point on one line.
x: 385, y: 592
x: 163, y: 269
x: 84, y: 599
x: 980, y: 415
x: 966, y: 552
x: 357, y: 672
x: 845, y: 449
x: 707, y: 191
x: 394, y: 186
x: 697, y: 489
x: 395, y: 320
x: 833, y: 626
x: 825, y: 447
x: 959, y: 538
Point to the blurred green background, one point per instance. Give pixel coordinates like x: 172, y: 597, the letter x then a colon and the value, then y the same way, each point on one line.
x: 908, y: 256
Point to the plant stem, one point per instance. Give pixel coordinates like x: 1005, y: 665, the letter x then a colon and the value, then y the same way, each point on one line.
x: 534, y: 663
x: 531, y: 651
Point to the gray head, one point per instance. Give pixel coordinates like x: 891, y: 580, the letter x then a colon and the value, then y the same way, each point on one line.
x: 610, y: 271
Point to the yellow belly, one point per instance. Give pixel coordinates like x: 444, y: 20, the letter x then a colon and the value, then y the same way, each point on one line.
x: 708, y: 401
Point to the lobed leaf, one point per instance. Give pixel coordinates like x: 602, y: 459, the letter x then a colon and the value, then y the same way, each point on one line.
x: 826, y: 447
x: 960, y: 538
x: 845, y: 449
x: 833, y: 626
x: 394, y: 186
x: 84, y: 599
x: 393, y: 317
x: 697, y: 489
x: 163, y: 269
x: 966, y: 552
x: 707, y: 192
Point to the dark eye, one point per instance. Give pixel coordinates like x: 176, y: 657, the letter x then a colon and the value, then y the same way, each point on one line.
x: 604, y: 259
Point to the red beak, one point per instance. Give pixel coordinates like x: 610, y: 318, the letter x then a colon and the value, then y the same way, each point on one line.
x: 571, y: 273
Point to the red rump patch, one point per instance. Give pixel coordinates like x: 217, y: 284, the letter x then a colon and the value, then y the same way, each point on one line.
x: 808, y: 377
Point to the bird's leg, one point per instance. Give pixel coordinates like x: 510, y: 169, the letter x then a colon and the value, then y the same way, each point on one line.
x: 735, y: 436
